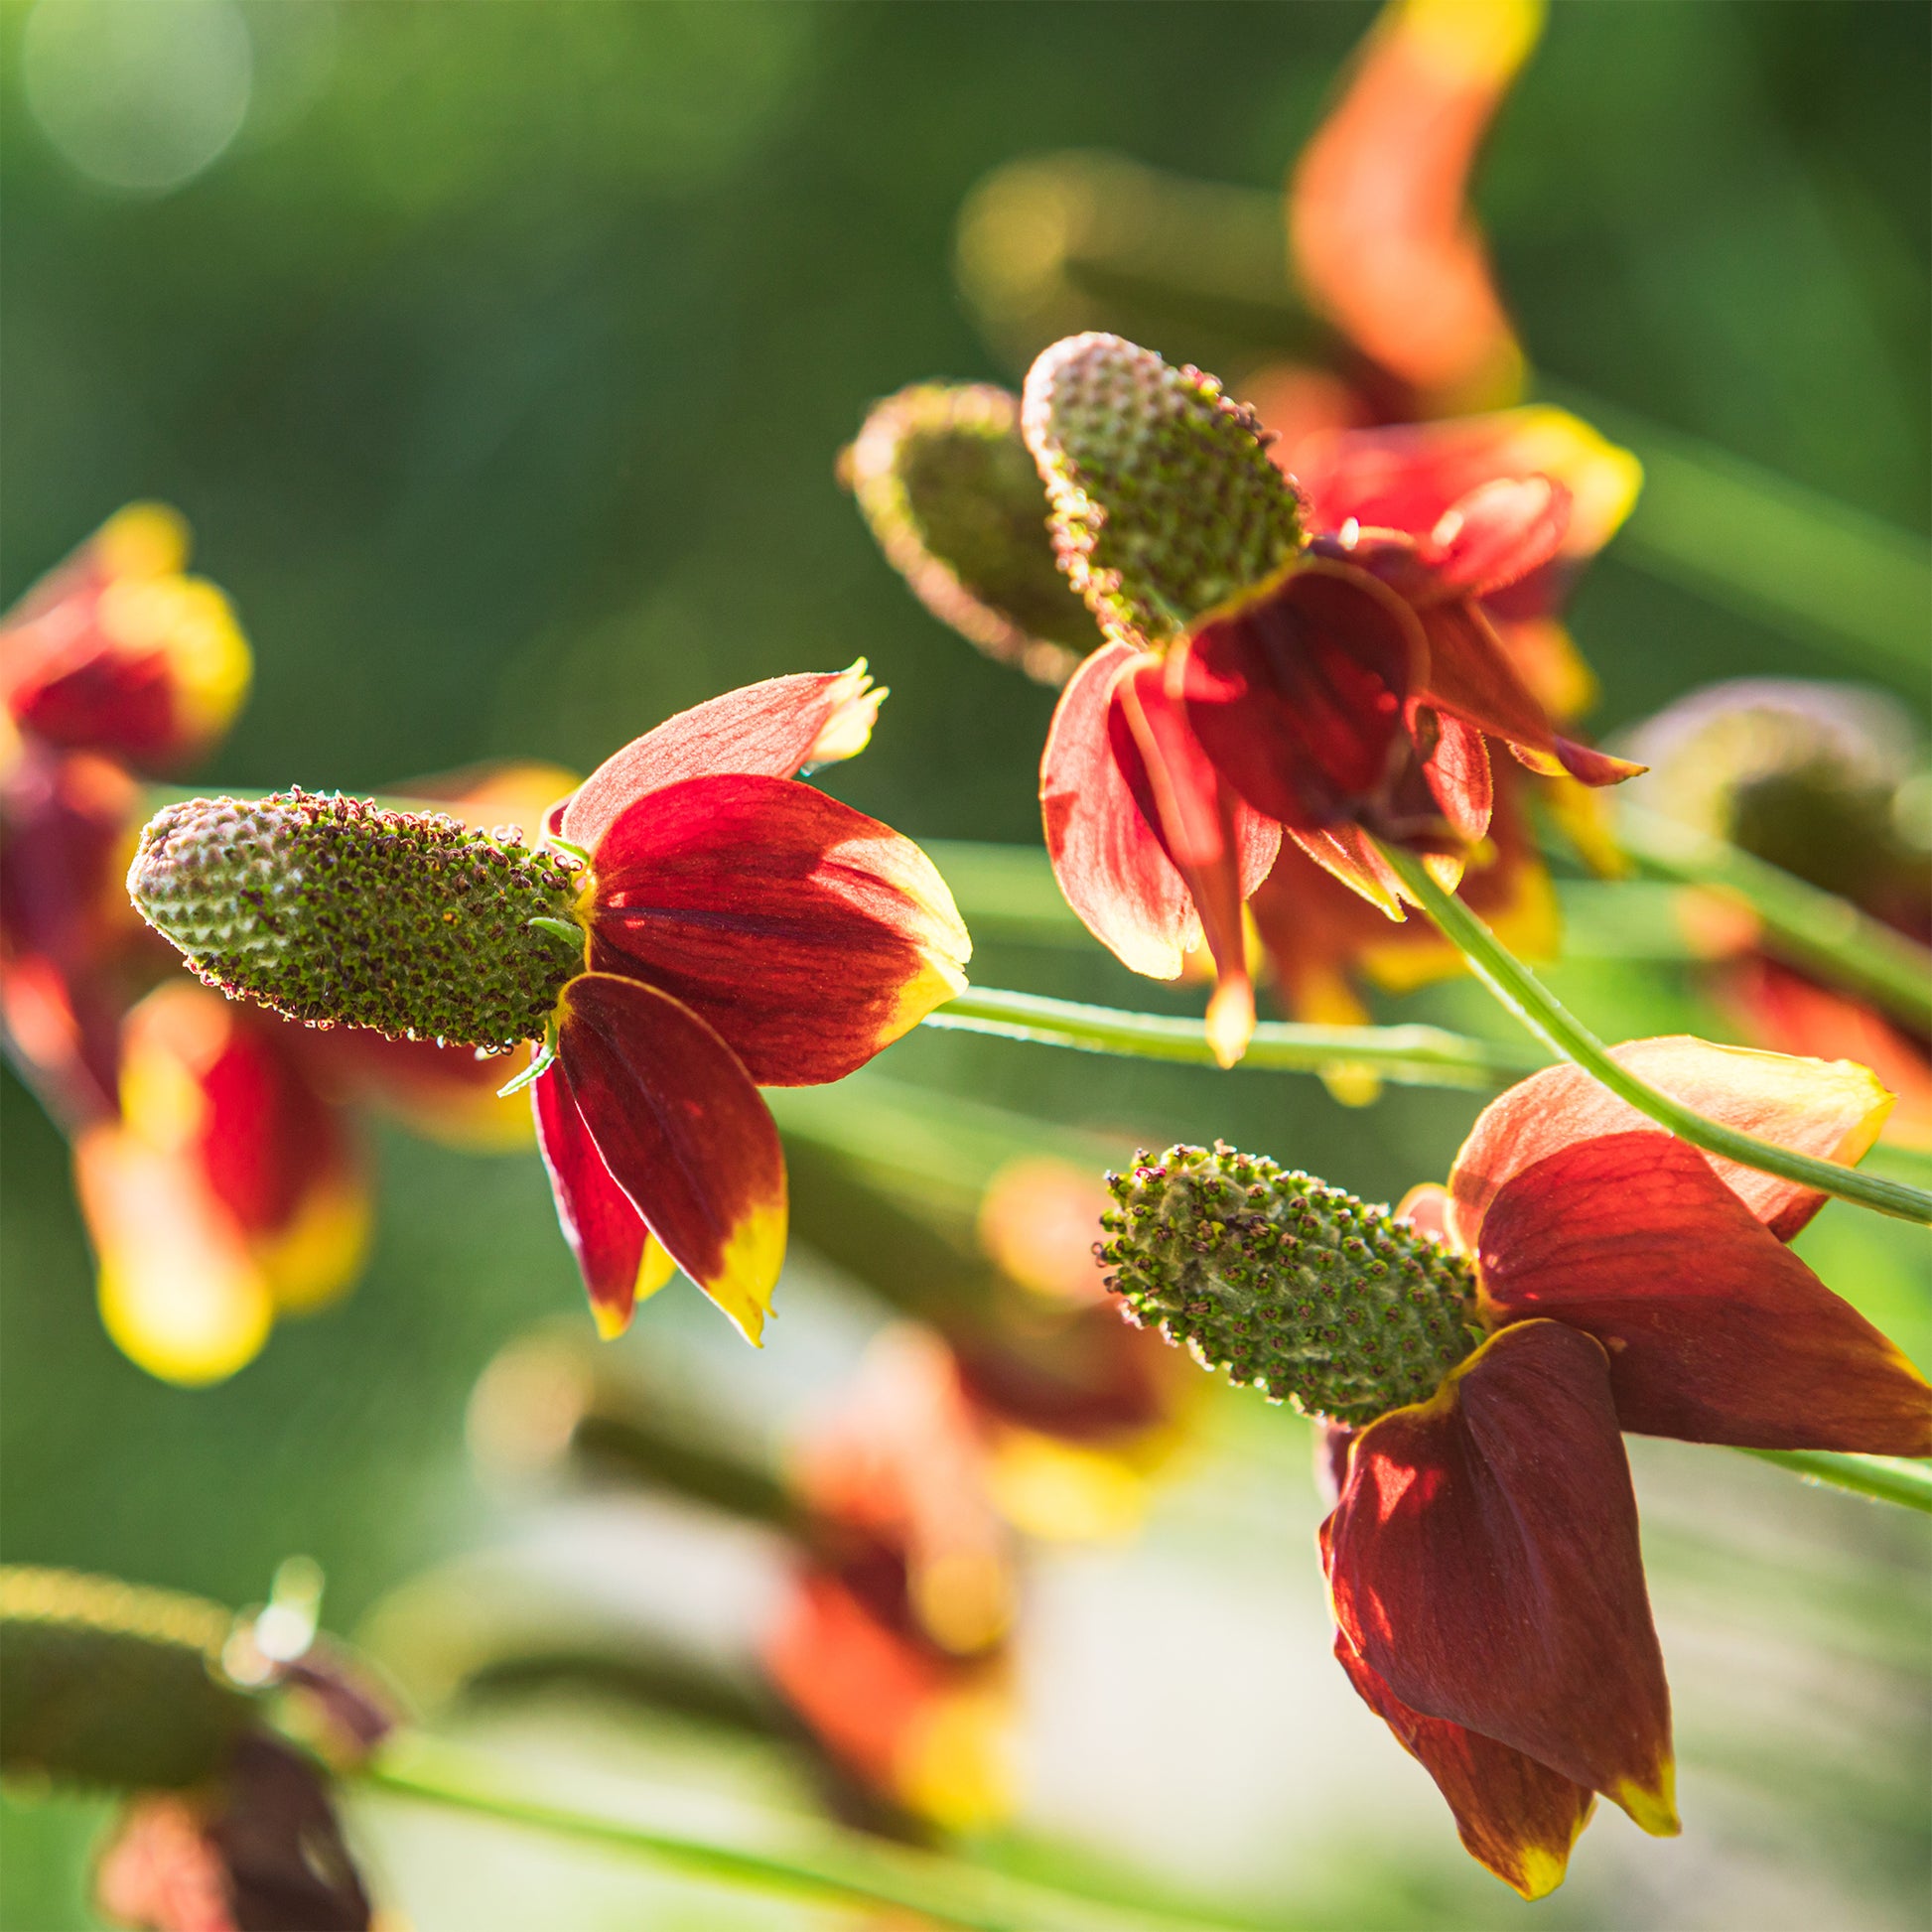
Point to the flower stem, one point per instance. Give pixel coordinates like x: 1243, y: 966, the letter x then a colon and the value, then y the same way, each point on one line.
x: 813, y: 1860
x: 1410, y: 1055
x: 1539, y: 1009
x: 1889, y: 1478
x: 1811, y: 927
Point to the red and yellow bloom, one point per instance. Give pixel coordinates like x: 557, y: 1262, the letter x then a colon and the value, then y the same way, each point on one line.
x: 1583, y: 1273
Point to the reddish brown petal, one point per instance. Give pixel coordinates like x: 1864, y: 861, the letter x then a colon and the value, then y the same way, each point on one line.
x: 1297, y: 696
x: 774, y: 730
x: 1716, y: 1332
x: 1484, y: 1564
x: 1515, y: 1816
x: 684, y: 1133
x: 1106, y: 855
x: 1347, y: 853
x: 1831, y: 1109
x: 1456, y: 768
x: 1498, y: 533
x: 606, y: 1232
x: 808, y: 934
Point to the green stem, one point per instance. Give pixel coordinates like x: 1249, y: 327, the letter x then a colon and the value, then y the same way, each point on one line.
x: 1812, y: 927
x: 1539, y: 1009
x: 1409, y: 1055
x: 1889, y: 1478
x: 815, y: 1862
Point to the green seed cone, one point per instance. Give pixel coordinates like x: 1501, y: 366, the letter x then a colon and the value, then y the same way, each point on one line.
x: 1165, y: 502
x: 105, y: 1684
x: 1290, y: 1286
x: 948, y: 488
x: 331, y: 911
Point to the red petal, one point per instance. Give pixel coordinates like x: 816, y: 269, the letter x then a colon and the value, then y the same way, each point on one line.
x: 808, y: 934
x: 1347, y: 853
x: 1106, y: 855
x: 606, y: 1232
x: 1297, y: 696
x: 1497, y: 534
x: 1515, y: 1816
x: 1456, y: 768
x: 1831, y: 1109
x: 1716, y: 1332
x: 684, y: 1133
x: 774, y: 730
x: 1484, y: 1564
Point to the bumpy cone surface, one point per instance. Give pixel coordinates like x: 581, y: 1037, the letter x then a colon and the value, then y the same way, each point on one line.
x: 329, y: 909
x: 1290, y: 1286
x: 949, y: 490
x: 1165, y: 502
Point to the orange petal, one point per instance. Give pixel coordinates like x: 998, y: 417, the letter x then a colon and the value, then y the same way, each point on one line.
x: 1717, y: 1333
x: 1483, y: 1563
x: 1831, y: 1109
x: 682, y: 1129
x: 771, y: 729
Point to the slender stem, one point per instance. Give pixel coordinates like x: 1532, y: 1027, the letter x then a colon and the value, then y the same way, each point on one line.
x: 1411, y: 1056
x: 1889, y: 1478
x: 1539, y: 1009
x: 815, y: 1861
x: 1815, y: 928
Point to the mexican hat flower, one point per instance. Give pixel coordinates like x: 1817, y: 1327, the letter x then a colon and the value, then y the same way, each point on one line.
x: 1480, y: 1353
x: 696, y: 922
x: 1259, y: 684
x: 119, y: 650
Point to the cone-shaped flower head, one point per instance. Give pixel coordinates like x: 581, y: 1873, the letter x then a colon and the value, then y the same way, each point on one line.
x: 1583, y: 1273
x: 696, y: 924
x: 948, y: 488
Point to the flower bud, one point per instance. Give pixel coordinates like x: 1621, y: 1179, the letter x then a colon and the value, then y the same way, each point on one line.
x: 329, y: 909
x: 1165, y: 502
x: 948, y: 488
x: 1290, y: 1286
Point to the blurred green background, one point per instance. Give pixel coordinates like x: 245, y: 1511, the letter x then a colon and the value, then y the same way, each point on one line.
x: 499, y: 356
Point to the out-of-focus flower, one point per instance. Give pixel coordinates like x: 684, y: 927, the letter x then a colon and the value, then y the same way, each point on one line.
x: 1336, y: 692
x: 1379, y: 227
x: 698, y: 923
x: 117, y: 651
x: 226, y: 1191
x: 1583, y: 1274
x: 228, y: 1826
x: 1818, y: 779
x: 948, y: 488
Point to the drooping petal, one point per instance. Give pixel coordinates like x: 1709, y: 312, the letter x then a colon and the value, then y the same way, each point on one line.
x: 1716, y: 1332
x: 1497, y: 534
x: 1107, y: 858
x: 1347, y: 853
x: 1484, y: 1564
x: 771, y: 729
x: 1222, y: 848
x: 1297, y: 695
x: 1828, y: 1108
x: 1514, y: 1815
x: 684, y: 1133
x: 1456, y: 768
x: 619, y: 1260
x: 807, y: 934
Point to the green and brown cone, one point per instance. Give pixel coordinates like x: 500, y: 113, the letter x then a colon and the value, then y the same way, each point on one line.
x: 334, y: 911
x: 1165, y: 502
x: 947, y: 486
x: 1293, y: 1287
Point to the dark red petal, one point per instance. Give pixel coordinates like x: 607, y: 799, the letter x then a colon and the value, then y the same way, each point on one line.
x: 1498, y: 533
x: 1831, y: 1109
x: 1484, y: 1564
x: 1456, y: 768
x: 684, y: 1133
x: 807, y: 934
x: 606, y: 1232
x: 1297, y: 696
x: 1347, y: 853
x: 1515, y: 1816
x: 1716, y: 1332
x: 774, y: 730
x: 1107, y: 857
